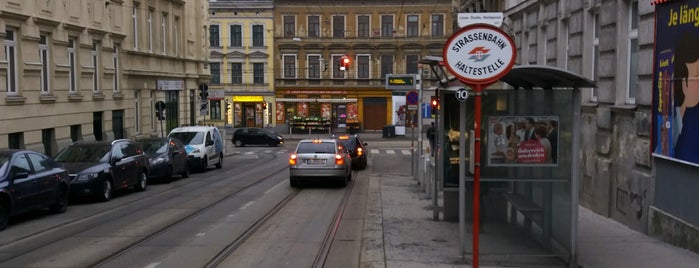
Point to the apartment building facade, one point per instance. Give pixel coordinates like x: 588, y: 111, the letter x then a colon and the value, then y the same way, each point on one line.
x: 93, y: 70
x: 313, y: 93
x: 241, y: 44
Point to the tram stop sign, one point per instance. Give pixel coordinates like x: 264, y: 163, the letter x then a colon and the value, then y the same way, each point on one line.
x: 411, y: 99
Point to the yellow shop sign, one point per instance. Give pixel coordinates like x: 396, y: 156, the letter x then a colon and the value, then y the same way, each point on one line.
x: 247, y: 99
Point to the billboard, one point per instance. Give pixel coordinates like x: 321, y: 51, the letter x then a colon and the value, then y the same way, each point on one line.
x: 522, y: 141
x: 675, y: 112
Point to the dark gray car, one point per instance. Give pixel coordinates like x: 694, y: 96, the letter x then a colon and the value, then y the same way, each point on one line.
x: 255, y: 136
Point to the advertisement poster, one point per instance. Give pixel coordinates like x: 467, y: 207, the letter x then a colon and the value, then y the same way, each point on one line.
x: 325, y: 109
x: 522, y: 140
x: 302, y: 109
x: 352, y: 114
x: 399, y: 114
x: 280, y: 112
x: 676, y: 81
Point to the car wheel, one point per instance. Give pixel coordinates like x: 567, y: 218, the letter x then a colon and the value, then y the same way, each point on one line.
x: 142, y: 182
x: 4, y: 213
x: 106, y: 191
x: 204, y: 165
x: 343, y: 182
x: 60, y: 205
x: 294, y: 183
x: 170, y: 172
x: 220, y: 161
x: 185, y: 173
x: 238, y: 143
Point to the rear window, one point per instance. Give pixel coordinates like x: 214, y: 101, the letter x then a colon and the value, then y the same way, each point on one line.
x: 316, y: 148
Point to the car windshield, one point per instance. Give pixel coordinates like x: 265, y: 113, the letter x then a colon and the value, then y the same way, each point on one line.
x: 316, y: 148
x: 4, y: 162
x: 84, y: 153
x: 189, y: 137
x: 151, y: 147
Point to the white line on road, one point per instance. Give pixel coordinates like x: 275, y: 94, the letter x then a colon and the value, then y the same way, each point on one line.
x: 201, y: 234
x: 405, y: 151
x: 275, y: 187
x: 152, y: 265
x: 374, y: 151
x: 390, y: 152
x: 249, y: 152
x: 246, y: 205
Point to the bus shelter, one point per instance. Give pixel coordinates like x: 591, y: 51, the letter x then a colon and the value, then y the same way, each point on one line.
x: 529, y: 166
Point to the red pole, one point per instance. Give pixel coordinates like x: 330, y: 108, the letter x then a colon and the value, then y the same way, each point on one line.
x: 476, y: 172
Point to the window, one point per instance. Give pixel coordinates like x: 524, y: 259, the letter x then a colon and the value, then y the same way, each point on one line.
x: 632, y: 53
x: 236, y: 36
x: 236, y: 73
x: 11, y: 57
x: 314, y: 66
x: 289, y: 66
x: 215, y: 73
x: 313, y: 26
x: 413, y: 26
x: 363, y: 66
x: 137, y: 112
x: 213, y: 36
x: 386, y: 25
x: 76, y: 132
x: 258, y: 36
x: 337, y: 73
x: 45, y: 70
x: 289, y: 26
x: 163, y: 32
x: 363, y: 26
x: 115, y: 61
x: 47, y: 139
x: 134, y: 18
x: 595, y: 52
x: 176, y: 35
x: 386, y: 65
x: 15, y: 140
x: 339, y: 26
x: 72, y: 71
x: 258, y: 73
x: 437, y: 25
x: 96, y: 65
x: 150, y: 30
x: 411, y: 63
x: 215, y: 111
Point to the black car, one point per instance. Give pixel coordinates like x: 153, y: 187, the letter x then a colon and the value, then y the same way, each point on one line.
x: 255, y: 136
x: 97, y: 168
x: 166, y: 156
x: 356, y: 148
x: 28, y: 181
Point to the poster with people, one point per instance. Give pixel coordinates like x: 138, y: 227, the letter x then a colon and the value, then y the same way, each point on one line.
x: 522, y: 140
x: 676, y: 81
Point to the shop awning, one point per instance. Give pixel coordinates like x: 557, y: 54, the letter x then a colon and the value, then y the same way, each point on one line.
x: 316, y: 100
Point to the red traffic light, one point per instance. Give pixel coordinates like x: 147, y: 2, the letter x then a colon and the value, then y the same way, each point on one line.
x: 344, y: 63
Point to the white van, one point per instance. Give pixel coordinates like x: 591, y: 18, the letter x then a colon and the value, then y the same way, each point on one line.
x: 204, y: 145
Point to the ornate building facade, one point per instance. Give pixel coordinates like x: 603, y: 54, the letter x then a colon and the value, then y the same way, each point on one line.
x: 93, y: 70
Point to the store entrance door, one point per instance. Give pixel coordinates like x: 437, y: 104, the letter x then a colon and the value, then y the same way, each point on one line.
x: 374, y: 106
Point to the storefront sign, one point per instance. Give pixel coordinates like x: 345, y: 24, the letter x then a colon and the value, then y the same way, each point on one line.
x: 479, y: 54
x: 170, y: 85
x: 316, y: 92
x: 248, y: 98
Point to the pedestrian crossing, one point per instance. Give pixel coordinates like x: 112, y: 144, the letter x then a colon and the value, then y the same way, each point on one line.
x: 248, y: 151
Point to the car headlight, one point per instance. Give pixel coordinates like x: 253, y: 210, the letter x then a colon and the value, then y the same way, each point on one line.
x: 86, y: 177
x: 157, y: 161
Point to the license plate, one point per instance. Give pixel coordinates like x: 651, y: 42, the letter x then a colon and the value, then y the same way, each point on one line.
x: 315, y: 161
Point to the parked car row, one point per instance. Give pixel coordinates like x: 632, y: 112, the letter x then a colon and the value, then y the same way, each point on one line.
x: 31, y: 180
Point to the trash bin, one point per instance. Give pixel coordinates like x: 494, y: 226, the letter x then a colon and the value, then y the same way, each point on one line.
x: 389, y: 131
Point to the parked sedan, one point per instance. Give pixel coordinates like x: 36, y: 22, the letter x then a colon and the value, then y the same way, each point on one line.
x: 28, y: 181
x: 98, y: 168
x: 255, y: 136
x: 356, y: 148
x: 320, y: 160
x: 166, y: 156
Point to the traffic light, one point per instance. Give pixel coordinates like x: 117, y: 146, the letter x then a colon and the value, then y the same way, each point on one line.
x: 264, y: 105
x: 434, y: 104
x: 160, y: 115
x: 344, y: 63
x: 203, y: 91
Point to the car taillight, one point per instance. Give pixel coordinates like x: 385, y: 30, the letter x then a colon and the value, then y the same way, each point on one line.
x: 292, y: 159
x: 360, y: 151
x: 339, y: 160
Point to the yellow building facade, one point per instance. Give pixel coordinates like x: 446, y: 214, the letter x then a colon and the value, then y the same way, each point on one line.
x: 241, y: 51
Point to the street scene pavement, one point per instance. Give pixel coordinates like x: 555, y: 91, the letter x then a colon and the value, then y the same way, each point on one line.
x: 399, y: 230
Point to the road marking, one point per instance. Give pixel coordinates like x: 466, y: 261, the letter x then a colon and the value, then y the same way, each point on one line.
x: 246, y: 205
x: 406, y: 151
x: 275, y: 187
x: 249, y: 152
x: 374, y: 151
x: 152, y: 265
x: 268, y: 151
x: 390, y: 152
x: 201, y: 234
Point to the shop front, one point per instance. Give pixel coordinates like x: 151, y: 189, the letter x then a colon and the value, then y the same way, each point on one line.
x: 328, y: 111
x: 247, y: 111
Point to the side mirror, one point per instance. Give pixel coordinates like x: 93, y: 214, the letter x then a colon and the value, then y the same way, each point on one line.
x: 209, y: 143
x: 20, y: 175
x: 365, y: 144
x: 114, y: 160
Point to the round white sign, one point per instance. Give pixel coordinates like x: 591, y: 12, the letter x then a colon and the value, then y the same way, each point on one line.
x: 461, y: 94
x: 479, y: 54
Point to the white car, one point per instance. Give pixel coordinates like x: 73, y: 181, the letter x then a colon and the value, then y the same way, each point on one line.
x: 204, y: 145
x: 320, y: 160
